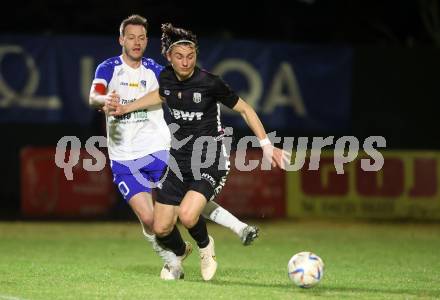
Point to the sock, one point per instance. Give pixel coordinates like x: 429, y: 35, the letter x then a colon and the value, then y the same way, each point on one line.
x: 148, y: 236
x: 167, y: 256
x: 173, y: 241
x: 152, y: 239
x: 225, y: 218
x: 199, y: 232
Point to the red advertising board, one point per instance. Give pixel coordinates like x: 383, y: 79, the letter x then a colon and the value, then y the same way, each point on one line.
x: 256, y: 193
x: 45, y: 191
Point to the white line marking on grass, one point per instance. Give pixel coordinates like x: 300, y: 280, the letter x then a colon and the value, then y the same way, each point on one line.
x: 6, y: 297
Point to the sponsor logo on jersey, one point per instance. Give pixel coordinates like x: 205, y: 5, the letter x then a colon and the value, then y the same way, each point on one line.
x: 143, y: 83
x: 135, y: 85
x: 186, y: 115
x: 197, y: 97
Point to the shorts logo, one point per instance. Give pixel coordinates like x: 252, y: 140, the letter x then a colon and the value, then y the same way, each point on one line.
x: 220, y: 186
x: 209, y: 178
x: 197, y: 97
x: 166, y: 92
x: 123, y: 188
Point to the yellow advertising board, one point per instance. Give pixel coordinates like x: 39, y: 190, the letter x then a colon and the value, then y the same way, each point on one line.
x: 406, y: 187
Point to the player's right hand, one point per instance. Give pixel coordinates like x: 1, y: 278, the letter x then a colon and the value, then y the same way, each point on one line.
x: 112, y: 105
x: 112, y: 96
x: 114, y: 108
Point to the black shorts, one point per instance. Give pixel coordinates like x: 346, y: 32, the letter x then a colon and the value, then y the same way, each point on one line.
x: 208, y: 181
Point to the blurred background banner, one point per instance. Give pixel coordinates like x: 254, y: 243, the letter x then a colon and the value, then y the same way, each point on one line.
x: 45, y: 191
x: 47, y: 79
x: 290, y: 86
x: 405, y: 188
x: 255, y: 194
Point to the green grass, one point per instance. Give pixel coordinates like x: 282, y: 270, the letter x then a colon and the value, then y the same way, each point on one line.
x: 112, y: 261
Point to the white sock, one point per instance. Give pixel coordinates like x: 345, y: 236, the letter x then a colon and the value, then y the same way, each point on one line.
x: 150, y: 237
x: 225, y: 218
x: 167, y: 256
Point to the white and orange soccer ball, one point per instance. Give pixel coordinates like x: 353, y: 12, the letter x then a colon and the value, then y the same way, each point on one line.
x: 305, y: 269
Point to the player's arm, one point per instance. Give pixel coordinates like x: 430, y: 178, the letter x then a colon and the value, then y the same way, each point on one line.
x: 99, y: 95
x: 251, y: 118
x: 275, y: 155
x: 150, y: 99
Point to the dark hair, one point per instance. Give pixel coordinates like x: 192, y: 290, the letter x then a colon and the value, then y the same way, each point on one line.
x: 171, y: 35
x: 133, y: 20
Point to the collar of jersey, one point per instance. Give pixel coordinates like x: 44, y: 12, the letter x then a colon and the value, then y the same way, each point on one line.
x: 130, y: 68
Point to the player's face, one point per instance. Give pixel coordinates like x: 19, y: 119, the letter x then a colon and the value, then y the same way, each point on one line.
x: 134, y: 41
x: 183, y: 59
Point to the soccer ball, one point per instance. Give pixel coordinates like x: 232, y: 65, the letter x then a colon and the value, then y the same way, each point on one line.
x: 305, y: 269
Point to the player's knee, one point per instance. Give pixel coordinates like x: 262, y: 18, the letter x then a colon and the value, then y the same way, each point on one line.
x: 187, y: 218
x: 162, y: 229
x: 147, y: 220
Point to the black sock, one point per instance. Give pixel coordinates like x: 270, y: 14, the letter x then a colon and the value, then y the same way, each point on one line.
x: 173, y: 241
x: 199, y: 232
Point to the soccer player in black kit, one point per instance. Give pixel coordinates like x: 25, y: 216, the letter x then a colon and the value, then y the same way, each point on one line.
x: 193, y: 97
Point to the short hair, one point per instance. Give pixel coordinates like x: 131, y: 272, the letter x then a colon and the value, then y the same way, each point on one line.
x: 172, y: 35
x: 133, y: 20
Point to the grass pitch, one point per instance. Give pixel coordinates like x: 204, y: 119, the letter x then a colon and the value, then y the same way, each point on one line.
x: 113, y: 261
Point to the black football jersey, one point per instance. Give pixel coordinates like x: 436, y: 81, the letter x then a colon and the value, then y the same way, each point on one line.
x: 194, y: 103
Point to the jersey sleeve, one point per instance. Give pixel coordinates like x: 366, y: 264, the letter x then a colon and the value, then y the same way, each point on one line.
x: 224, y: 94
x: 154, y: 66
x: 103, y: 74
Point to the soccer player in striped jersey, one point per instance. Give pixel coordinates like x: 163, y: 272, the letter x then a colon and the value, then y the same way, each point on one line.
x: 138, y: 142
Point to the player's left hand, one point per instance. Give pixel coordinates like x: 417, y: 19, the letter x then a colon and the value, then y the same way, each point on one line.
x: 278, y: 157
